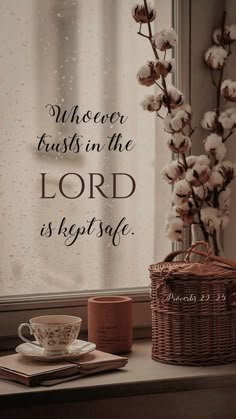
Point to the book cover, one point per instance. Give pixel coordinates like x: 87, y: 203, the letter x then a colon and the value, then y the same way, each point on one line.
x: 31, y: 372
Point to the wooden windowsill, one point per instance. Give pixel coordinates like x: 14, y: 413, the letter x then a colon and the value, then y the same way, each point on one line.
x: 141, y: 376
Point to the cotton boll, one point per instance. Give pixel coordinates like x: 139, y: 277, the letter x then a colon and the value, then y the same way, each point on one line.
x: 224, y: 199
x: 220, y: 152
x: 175, y: 234
x: 231, y: 113
x: 144, y: 71
x: 225, y: 84
x: 163, y: 67
x: 181, y: 192
x: 209, y: 121
x: 181, y: 114
x: 201, y: 192
x: 212, y: 142
x: 228, y: 90
x: 211, y: 217
x: 176, y: 124
x: 186, y: 108
x: 217, y: 36
x: 215, y: 57
x: 174, y: 227
x: 224, y: 170
x: 167, y: 124
x: 177, y: 200
x: 227, y: 167
x: 216, y: 179
x: 198, y: 175
x: 179, y: 143
x: 147, y: 75
x: 171, y: 216
x: 175, y: 97
x: 232, y: 32
x: 191, y: 160
x: 179, y: 120
x: 152, y: 103
x: 139, y: 13
x: 186, y: 211
x: 204, y: 160
x: 226, y: 121
x: 181, y: 208
x: 229, y: 35
x: 214, y: 146
x: 165, y: 39
x: 204, y: 192
x: 172, y: 172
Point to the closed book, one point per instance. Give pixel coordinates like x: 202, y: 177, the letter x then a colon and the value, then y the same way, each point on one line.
x: 30, y: 372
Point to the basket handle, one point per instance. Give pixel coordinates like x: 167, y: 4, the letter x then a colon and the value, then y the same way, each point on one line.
x: 188, y: 252
x: 210, y: 256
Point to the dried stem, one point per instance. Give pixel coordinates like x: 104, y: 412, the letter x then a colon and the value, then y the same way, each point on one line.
x: 215, y: 244
x: 218, y: 89
x: 150, y: 31
x: 157, y: 57
x: 160, y: 87
x: 142, y: 34
x: 227, y: 136
x: 164, y: 89
x: 212, y: 79
x: 191, y: 130
x: 219, y: 128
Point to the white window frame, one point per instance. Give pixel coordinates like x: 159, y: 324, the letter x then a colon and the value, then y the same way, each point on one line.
x: 19, y: 309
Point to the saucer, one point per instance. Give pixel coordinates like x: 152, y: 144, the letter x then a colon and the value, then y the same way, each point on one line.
x: 77, y: 349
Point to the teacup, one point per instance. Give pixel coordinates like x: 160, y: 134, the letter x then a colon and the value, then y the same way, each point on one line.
x: 53, y: 333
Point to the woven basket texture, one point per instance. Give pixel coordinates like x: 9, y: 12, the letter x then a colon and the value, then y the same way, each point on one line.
x: 194, y: 310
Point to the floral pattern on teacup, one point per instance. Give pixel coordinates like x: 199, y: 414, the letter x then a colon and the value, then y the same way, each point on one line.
x: 56, y: 335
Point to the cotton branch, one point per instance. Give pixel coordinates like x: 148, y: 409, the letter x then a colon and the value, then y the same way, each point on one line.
x: 207, y: 206
x: 219, y: 128
x: 150, y: 38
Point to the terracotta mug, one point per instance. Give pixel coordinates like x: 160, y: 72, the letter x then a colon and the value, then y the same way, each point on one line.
x: 110, y: 323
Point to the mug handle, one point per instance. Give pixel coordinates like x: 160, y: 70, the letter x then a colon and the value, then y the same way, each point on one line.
x: 19, y: 332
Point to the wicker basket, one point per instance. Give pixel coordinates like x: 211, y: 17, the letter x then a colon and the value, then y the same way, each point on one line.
x: 194, y: 310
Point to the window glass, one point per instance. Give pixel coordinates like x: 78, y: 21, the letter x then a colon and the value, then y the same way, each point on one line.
x: 74, y: 57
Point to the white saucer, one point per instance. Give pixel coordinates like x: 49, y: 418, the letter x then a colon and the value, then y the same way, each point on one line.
x: 78, y: 348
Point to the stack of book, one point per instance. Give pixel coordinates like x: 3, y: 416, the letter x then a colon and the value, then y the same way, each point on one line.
x: 31, y: 372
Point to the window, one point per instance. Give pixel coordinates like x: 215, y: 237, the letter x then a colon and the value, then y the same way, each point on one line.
x: 84, y: 53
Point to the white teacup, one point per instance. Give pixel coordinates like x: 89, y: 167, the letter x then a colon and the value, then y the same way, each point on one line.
x: 53, y: 333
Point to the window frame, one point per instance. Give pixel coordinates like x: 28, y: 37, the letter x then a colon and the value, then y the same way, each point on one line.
x: 15, y: 310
